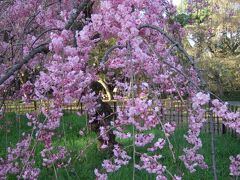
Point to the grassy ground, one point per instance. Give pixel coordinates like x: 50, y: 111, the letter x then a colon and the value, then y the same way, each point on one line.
x: 11, y: 129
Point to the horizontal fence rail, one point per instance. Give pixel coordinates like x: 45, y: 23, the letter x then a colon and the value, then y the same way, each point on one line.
x: 173, y: 111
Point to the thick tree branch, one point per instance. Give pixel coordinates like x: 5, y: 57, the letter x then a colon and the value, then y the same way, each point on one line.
x: 25, y: 60
x: 109, y: 51
x: 44, y: 32
x: 175, y: 43
x: 179, y: 47
x: 76, y: 12
x: 43, y: 48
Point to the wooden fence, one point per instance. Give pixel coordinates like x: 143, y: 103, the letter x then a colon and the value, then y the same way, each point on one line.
x: 175, y: 111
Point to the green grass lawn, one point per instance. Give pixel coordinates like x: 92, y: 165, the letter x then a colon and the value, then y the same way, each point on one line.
x: 68, y: 135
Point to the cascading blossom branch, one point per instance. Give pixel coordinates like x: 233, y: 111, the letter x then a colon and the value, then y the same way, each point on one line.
x: 191, y: 159
x: 20, y: 161
x: 235, y: 165
x: 230, y: 119
x: 120, y: 158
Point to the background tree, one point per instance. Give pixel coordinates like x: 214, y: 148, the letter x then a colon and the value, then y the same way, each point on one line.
x: 213, y: 37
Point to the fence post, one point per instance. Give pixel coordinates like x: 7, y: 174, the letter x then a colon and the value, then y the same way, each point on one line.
x: 35, y: 105
x: 115, y: 109
x: 81, y: 108
x: 223, y: 129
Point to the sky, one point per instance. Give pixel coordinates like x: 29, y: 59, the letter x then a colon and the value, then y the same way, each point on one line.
x: 176, y: 2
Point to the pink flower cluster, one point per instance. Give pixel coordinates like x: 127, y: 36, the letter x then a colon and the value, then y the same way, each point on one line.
x: 120, y: 158
x: 100, y: 176
x: 104, y: 136
x: 143, y: 139
x: 169, y: 128
x: 138, y: 114
x: 122, y: 135
x: 50, y: 158
x: 200, y: 99
x: 27, y: 91
x: 230, y: 119
x: 19, y: 161
x: 235, y: 165
x: 158, y: 145
x: 151, y: 165
x: 191, y: 159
